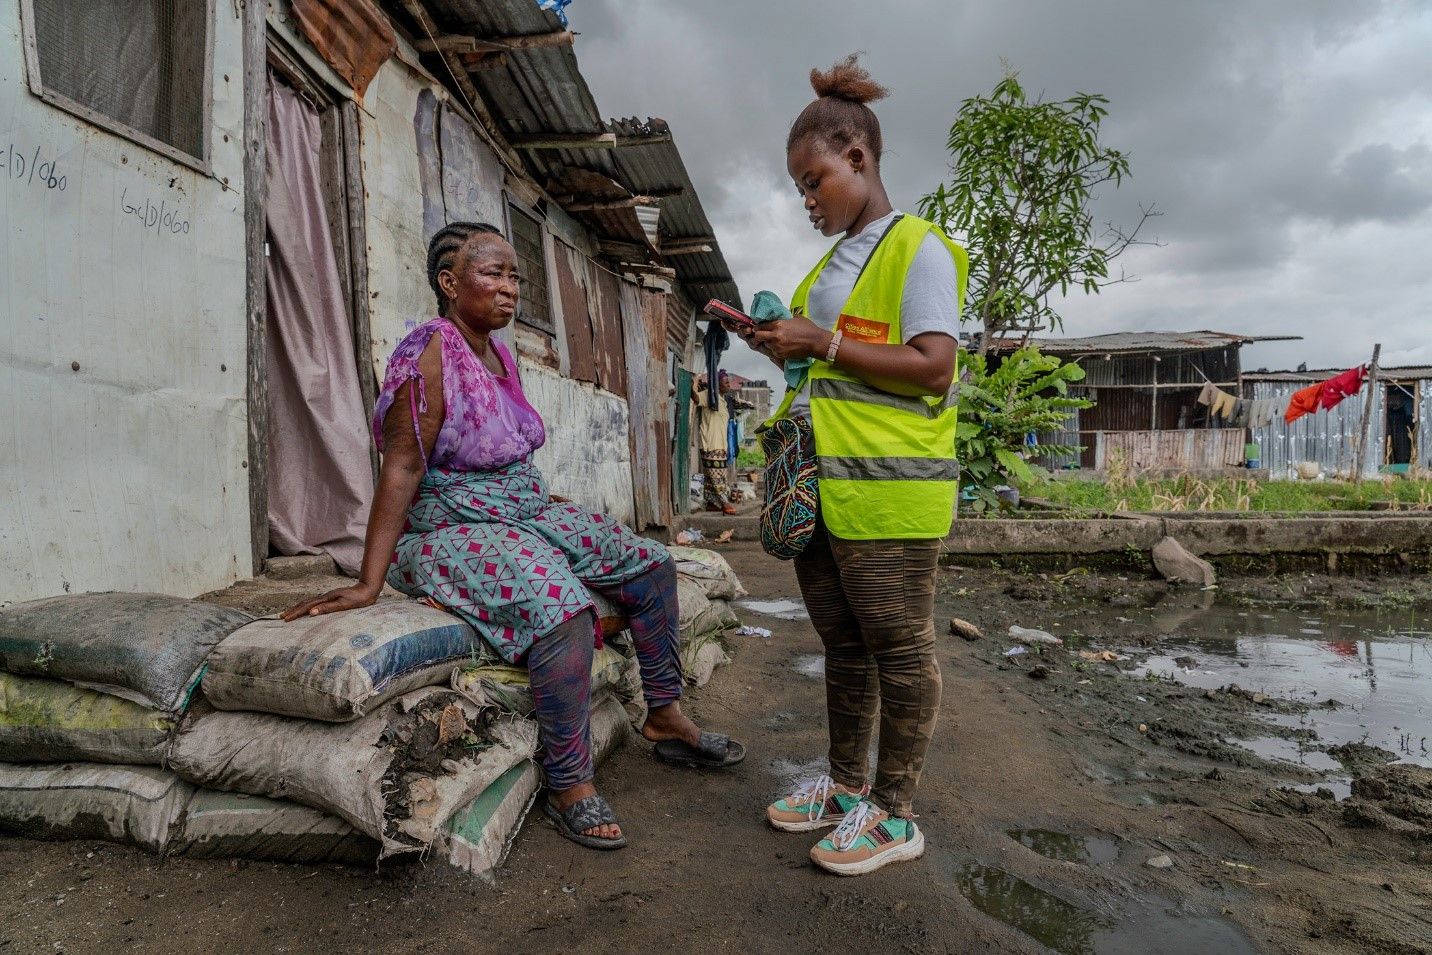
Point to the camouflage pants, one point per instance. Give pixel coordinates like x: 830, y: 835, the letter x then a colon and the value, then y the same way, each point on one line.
x: 872, y: 602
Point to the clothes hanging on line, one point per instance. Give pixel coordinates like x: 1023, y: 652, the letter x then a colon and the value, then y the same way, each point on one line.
x: 1264, y: 411
x: 1209, y: 392
x: 1304, y: 402
x: 1223, y: 404
x: 1342, y: 386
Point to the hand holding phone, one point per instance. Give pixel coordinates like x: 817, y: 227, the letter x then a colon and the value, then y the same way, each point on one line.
x: 726, y: 314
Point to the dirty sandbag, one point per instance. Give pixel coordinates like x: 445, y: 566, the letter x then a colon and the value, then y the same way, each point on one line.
x: 480, y: 835
x: 51, y: 721
x: 220, y: 825
x: 716, y: 617
x: 691, y: 602
x: 700, y: 658
x: 146, y: 647
x: 337, y: 666
x: 509, y: 688
x: 396, y: 774
x: 709, y: 569
x: 135, y: 805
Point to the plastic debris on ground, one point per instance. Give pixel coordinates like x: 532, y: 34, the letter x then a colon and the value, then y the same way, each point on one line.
x: 748, y: 631
x: 1016, y: 651
x: 1035, y: 636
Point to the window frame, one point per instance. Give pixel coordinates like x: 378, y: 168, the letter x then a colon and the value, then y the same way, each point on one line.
x: 203, y: 164
x: 515, y: 209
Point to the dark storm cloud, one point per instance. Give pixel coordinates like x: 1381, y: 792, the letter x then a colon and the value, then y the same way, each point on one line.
x: 1286, y: 142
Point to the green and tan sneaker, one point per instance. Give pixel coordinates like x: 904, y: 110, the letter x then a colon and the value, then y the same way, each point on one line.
x: 866, y: 839
x: 815, y: 804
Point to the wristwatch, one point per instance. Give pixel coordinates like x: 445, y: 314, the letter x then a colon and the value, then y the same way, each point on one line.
x: 834, y: 345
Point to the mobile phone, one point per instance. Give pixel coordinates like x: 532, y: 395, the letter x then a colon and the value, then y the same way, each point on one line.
x: 719, y: 309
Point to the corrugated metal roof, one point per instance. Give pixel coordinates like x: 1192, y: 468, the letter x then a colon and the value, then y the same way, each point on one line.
x: 656, y: 167
x: 542, y: 90
x: 1126, y: 342
x: 1404, y: 373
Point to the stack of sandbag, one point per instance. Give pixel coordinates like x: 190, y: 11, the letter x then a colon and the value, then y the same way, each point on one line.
x: 91, y: 690
x: 705, y: 585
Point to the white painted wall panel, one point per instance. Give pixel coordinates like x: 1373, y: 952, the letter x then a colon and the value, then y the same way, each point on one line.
x: 127, y: 474
x: 587, y: 456
x: 398, y: 293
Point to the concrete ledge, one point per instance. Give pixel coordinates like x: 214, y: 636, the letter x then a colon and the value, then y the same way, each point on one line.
x: 1097, y: 535
x: 1381, y: 534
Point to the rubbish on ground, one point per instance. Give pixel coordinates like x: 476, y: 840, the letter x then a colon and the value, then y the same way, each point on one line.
x: 690, y: 536
x: 965, y: 629
x: 148, y: 648
x: 1035, y: 636
x: 51, y: 721
x: 1160, y: 862
x: 781, y: 609
x: 1015, y: 651
x: 1101, y: 656
x: 725, y: 536
x: 1039, y: 673
x: 338, y: 666
x: 748, y: 631
x: 1143, y: 727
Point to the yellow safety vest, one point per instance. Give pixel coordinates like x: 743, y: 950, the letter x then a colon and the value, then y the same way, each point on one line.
x: 886, y: 462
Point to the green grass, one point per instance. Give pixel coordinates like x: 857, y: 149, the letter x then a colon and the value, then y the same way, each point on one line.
x: 1228, y: 494
x: 750, y: 458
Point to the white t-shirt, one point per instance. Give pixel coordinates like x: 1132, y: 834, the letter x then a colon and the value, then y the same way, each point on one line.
x: 930, y: 302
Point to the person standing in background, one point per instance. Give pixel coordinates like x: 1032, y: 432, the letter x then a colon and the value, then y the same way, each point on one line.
x: 712, y: 442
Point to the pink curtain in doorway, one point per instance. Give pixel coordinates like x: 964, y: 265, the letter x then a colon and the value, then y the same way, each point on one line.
x: 320, y: 479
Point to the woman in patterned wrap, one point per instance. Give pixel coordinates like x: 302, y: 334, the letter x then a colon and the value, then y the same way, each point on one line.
x: 462, y: 516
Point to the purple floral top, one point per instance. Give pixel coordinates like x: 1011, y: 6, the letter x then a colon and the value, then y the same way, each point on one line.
x: 487, y: 422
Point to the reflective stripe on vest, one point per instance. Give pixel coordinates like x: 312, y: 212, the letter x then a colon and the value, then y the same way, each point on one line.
x: 886, y: 462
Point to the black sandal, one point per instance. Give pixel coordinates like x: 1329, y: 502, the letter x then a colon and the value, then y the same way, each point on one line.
x: 715, y: 752
x: 585, y: 814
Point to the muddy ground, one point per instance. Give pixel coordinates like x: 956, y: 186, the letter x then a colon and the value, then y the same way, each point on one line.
x: 1252, y: 867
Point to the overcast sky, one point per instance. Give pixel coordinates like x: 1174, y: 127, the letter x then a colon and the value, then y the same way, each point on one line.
x: 1287, y: 142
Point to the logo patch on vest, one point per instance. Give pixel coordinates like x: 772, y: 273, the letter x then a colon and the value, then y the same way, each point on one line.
x: 864, y: 329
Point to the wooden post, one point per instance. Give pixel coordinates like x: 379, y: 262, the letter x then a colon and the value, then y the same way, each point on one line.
x: 1362, y: 434
x: 255, y: 56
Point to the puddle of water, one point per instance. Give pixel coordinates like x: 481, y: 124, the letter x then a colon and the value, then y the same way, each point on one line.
x: 1070, y: 930
x: 780, y: 609
x: 1170, y: 934
x: 1290, y: 751
x: 1339, y: 786
x: 1374, y: 664
x: 1065, y: 847
x: 1045, y: 918
x: 811, y: 665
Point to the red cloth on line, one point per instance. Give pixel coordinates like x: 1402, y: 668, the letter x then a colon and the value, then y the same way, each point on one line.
x: 1342, y: 386
x: 1304, y: 402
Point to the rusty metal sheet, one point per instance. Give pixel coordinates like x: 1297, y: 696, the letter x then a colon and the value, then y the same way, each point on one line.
x: 352, y: 36
x: 654, y: 315
x: 1173, y: 450
x: 646, y: 453
x: 608, y: 347
x: 576, y: 316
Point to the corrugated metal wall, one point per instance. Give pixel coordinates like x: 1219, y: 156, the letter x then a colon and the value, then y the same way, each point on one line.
x: 1192, y: 449
x: 1329, y: 437
x: 123, y: 441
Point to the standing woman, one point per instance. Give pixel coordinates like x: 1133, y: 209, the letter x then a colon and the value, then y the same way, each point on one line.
x: 880, y: 316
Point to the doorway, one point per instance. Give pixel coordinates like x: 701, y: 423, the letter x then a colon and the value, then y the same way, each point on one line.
x: 318, y: 460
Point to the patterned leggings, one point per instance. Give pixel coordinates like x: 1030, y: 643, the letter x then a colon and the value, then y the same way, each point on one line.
x: 559, y: 666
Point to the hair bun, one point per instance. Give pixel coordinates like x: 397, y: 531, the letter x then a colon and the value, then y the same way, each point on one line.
x: 847, y: 80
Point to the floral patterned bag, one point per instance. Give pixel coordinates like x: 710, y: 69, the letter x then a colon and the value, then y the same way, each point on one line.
x: 792, y: 487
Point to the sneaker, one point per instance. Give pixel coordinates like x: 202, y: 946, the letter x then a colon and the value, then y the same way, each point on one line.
x: 866, y: 839
x: 815, y: 804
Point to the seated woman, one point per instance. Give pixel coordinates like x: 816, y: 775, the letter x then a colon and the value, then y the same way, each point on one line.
x: 462, y: 516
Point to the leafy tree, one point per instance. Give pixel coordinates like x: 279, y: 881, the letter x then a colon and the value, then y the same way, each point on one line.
x: 1027, y: 394
x: 1023, y: 174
